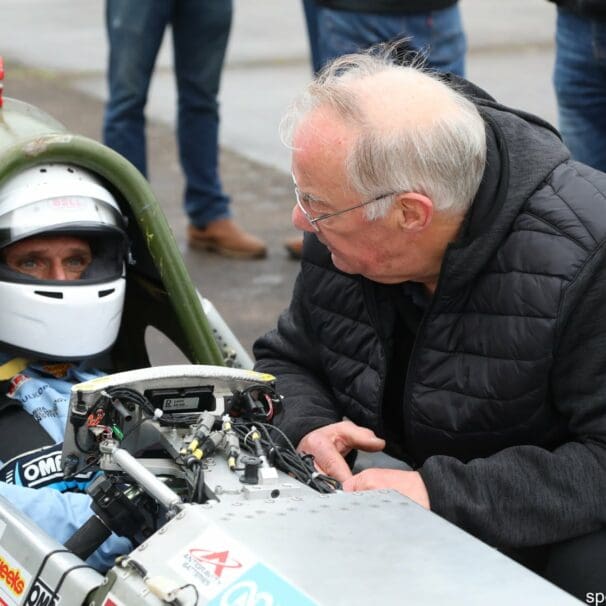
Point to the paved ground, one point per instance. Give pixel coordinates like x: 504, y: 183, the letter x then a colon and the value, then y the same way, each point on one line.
x: 55, y: 56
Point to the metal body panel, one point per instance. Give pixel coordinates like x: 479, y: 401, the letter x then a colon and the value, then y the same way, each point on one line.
x: 44, y: 565
x: 342, y: 549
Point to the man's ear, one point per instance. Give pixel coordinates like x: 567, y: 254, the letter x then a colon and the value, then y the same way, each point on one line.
x: 415, y: 211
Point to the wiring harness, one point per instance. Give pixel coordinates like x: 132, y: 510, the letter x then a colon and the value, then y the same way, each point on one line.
x: 245, y: 426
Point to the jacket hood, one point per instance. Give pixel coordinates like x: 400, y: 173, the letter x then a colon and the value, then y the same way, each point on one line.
x: 522, y: 151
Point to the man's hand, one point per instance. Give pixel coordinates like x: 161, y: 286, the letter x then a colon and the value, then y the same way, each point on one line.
x: 331, y: 443
x: 409, y: 483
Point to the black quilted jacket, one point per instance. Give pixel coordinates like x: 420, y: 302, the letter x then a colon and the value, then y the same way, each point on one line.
x: 587, y: 8
x: 504, y: 406
x: 387, y: 6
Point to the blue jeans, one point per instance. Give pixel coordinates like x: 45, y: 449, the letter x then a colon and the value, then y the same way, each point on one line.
x: 580, y: 85
x: 436, y: 34
x: 311, y: 22
x: 200, y: 33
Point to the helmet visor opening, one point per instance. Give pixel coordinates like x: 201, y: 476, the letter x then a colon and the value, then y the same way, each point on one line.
x: 108, y: 250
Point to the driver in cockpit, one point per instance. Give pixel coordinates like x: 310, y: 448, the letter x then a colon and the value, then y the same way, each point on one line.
x: 62, y: 256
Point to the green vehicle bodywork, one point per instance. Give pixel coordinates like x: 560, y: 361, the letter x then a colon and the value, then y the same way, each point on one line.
x: 159, y: 290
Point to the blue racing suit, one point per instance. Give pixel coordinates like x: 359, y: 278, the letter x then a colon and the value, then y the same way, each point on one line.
x: 32, y: 481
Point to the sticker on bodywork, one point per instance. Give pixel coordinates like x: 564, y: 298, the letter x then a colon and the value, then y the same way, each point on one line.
x: 41, y: 595
x: 212, y: 561
x: 261, y: 586
x: 14, y: 579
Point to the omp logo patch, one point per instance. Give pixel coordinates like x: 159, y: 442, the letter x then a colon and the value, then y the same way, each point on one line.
x: 42, y: 469
x: 41, y: 595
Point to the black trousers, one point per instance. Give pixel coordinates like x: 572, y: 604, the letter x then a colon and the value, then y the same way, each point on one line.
x: 578, y: 565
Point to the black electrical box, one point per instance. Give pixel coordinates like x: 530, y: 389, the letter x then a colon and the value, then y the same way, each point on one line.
x: 187, y: 399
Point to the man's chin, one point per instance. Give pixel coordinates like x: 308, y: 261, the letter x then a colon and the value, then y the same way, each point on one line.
x: 342, y: 265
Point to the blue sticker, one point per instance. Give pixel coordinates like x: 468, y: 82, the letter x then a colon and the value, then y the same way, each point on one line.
x: 261, y: 586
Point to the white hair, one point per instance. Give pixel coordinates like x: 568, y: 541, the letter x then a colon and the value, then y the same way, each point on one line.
x: 442, y: 158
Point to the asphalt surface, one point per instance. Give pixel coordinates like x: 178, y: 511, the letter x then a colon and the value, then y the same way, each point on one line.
x: 55, y: 58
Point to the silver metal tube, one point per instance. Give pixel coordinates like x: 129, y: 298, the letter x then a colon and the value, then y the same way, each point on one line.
x: 144, y: 478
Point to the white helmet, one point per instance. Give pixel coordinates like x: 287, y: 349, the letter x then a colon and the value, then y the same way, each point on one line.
x: 67, y: 320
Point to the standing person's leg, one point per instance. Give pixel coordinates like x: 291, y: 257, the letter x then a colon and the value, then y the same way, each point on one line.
x: 438, y: 35
x: 311, y: 22
x: 200, y: 36
x: 135, y: 30
x: 294, y: 246
x: 580, y: 85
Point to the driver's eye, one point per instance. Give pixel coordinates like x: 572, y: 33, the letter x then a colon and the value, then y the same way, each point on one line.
x: 77, y: 262
x: 28, y: 263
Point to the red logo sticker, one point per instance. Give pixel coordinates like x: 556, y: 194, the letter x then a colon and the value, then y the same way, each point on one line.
x: 219, y: 559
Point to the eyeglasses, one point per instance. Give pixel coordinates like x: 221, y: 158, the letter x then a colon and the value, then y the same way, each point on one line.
x: 305, y: 206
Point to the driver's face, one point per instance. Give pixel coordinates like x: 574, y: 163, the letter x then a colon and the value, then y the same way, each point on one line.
x: 49, y: 257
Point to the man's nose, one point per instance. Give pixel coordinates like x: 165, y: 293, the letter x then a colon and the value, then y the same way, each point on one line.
x: 56, y: 271
x: 299, y: 220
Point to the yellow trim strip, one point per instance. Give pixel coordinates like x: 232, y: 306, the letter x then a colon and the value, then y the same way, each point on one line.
x: 13, y: 367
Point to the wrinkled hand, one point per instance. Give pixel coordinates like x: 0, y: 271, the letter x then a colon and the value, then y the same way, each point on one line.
x: 331, y: 443
x: 409, y: 483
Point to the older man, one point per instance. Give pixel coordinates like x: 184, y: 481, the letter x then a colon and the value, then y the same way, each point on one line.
x: 450, y: 309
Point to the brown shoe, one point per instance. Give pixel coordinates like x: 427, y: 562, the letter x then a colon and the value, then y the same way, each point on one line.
x: 294, y: 248
x: 226, y: 238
